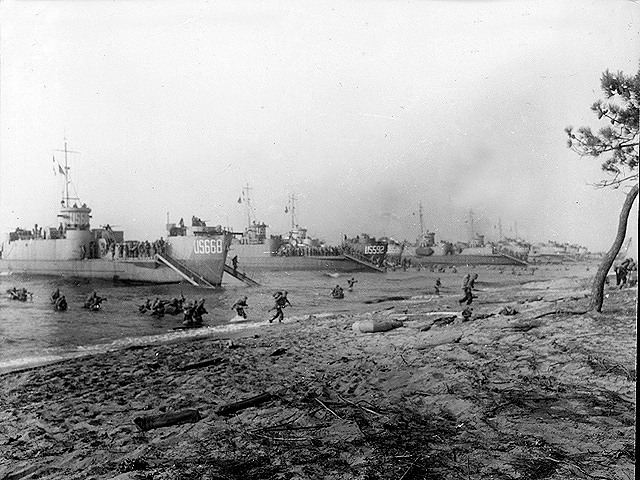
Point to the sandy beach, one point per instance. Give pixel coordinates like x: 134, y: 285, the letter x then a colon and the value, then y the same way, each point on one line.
x: 530, y: 387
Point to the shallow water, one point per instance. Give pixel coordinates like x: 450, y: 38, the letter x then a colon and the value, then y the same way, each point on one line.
x: 32, y: 332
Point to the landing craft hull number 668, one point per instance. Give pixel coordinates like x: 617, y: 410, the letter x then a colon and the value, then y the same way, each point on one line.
x: 208, y: 246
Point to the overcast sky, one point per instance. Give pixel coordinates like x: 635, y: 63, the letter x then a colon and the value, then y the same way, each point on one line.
x: 362, y: 109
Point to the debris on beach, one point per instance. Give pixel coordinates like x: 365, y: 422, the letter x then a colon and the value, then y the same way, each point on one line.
x: 241, y: 405
x: 439, y: 338
x: 203, y: 364
x: 508, y: 311
x: 547, y: 393
x: 372, y: 326
x: 167, y: 419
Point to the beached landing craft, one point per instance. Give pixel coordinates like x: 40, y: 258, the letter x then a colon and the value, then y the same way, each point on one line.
x: 195, y: 254
x: 426, y: 251
x: 296, y: 251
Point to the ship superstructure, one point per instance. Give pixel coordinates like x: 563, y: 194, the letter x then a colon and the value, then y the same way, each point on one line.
x: 258, y: 252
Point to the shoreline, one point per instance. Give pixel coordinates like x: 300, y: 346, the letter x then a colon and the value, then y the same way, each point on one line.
x: 229, y: 329
x: 217, y: 332
x: 545, y: 392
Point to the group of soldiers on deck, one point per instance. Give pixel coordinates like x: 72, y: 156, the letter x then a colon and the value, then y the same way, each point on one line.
x: 142, y: 249
x: 110, y: 249
x: 307, y: 251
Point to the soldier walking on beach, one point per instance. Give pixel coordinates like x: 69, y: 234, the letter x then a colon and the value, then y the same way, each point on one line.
x: 199, y: 311
x: 472, y: 284
x: 437, y: 286
x: 351, y: 283
x: 466, y: 288
x: 281, y: 303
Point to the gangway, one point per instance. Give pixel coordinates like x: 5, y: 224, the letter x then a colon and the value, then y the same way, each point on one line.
x: 362, y: 260
x: 185, y: 272
x: 515, y: 259
x: 240, y: 276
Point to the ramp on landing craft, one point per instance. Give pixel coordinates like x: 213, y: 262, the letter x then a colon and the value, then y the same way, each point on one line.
x: 515, y: 259
x: 185, y: 272
x: 363, y: 261
x: 240, y: 276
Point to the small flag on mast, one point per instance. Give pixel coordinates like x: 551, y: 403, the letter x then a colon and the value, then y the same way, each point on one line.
x: 286, y: 209
x: 239, y: 200
x: 60, y: 170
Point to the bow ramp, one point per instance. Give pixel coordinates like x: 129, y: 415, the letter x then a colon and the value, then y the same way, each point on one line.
x: 362, y: 260
x: 240, y: 276
x: 515, y: 259
x: 185, y: 272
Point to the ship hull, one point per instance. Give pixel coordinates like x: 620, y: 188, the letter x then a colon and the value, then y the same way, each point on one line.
x: 139, y: 271
x: 203, y: 255
x: 260, y: 258
x: 488, y: 259
x: 308, y: 263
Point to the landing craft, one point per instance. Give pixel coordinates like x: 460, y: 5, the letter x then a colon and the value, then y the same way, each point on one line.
x: 195, y: 254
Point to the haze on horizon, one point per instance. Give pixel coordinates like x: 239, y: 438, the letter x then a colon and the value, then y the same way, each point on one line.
x: 362, y: 109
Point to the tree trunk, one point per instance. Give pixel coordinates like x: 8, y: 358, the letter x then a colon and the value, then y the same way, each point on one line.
x: 597, y: 288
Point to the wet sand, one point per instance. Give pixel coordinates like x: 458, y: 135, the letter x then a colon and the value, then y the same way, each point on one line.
x: 546, y: 393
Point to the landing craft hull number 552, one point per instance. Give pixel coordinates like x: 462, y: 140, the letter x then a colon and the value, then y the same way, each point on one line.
x: 208, y: 246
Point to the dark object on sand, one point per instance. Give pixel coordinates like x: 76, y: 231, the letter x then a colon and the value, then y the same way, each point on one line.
x: 525, y: 326
x: 278, y: 351
x: 205, y: 363
x: 386, y: 299
x: 133, y: 464
x: 167, y: 419
x: 241, y: 405
x: 439, y: 322
x: 508, y: 311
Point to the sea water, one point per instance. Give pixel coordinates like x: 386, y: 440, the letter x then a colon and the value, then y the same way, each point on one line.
x: 33, y: 333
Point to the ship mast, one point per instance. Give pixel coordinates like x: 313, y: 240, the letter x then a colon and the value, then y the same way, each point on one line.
x: 421, y: 220
x: 66, y: 198
x: 292, y: 199
x: 246, y: 190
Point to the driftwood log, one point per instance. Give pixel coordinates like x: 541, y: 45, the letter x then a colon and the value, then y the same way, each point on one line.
x: 167, y: 419
x: 241, y: 405
x: 205, y: 363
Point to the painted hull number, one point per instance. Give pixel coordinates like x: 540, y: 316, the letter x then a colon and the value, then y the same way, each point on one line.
x: 207, y: 246
x: 374, y: 250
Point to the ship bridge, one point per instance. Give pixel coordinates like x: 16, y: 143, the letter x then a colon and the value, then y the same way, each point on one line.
x: 75, y: 217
